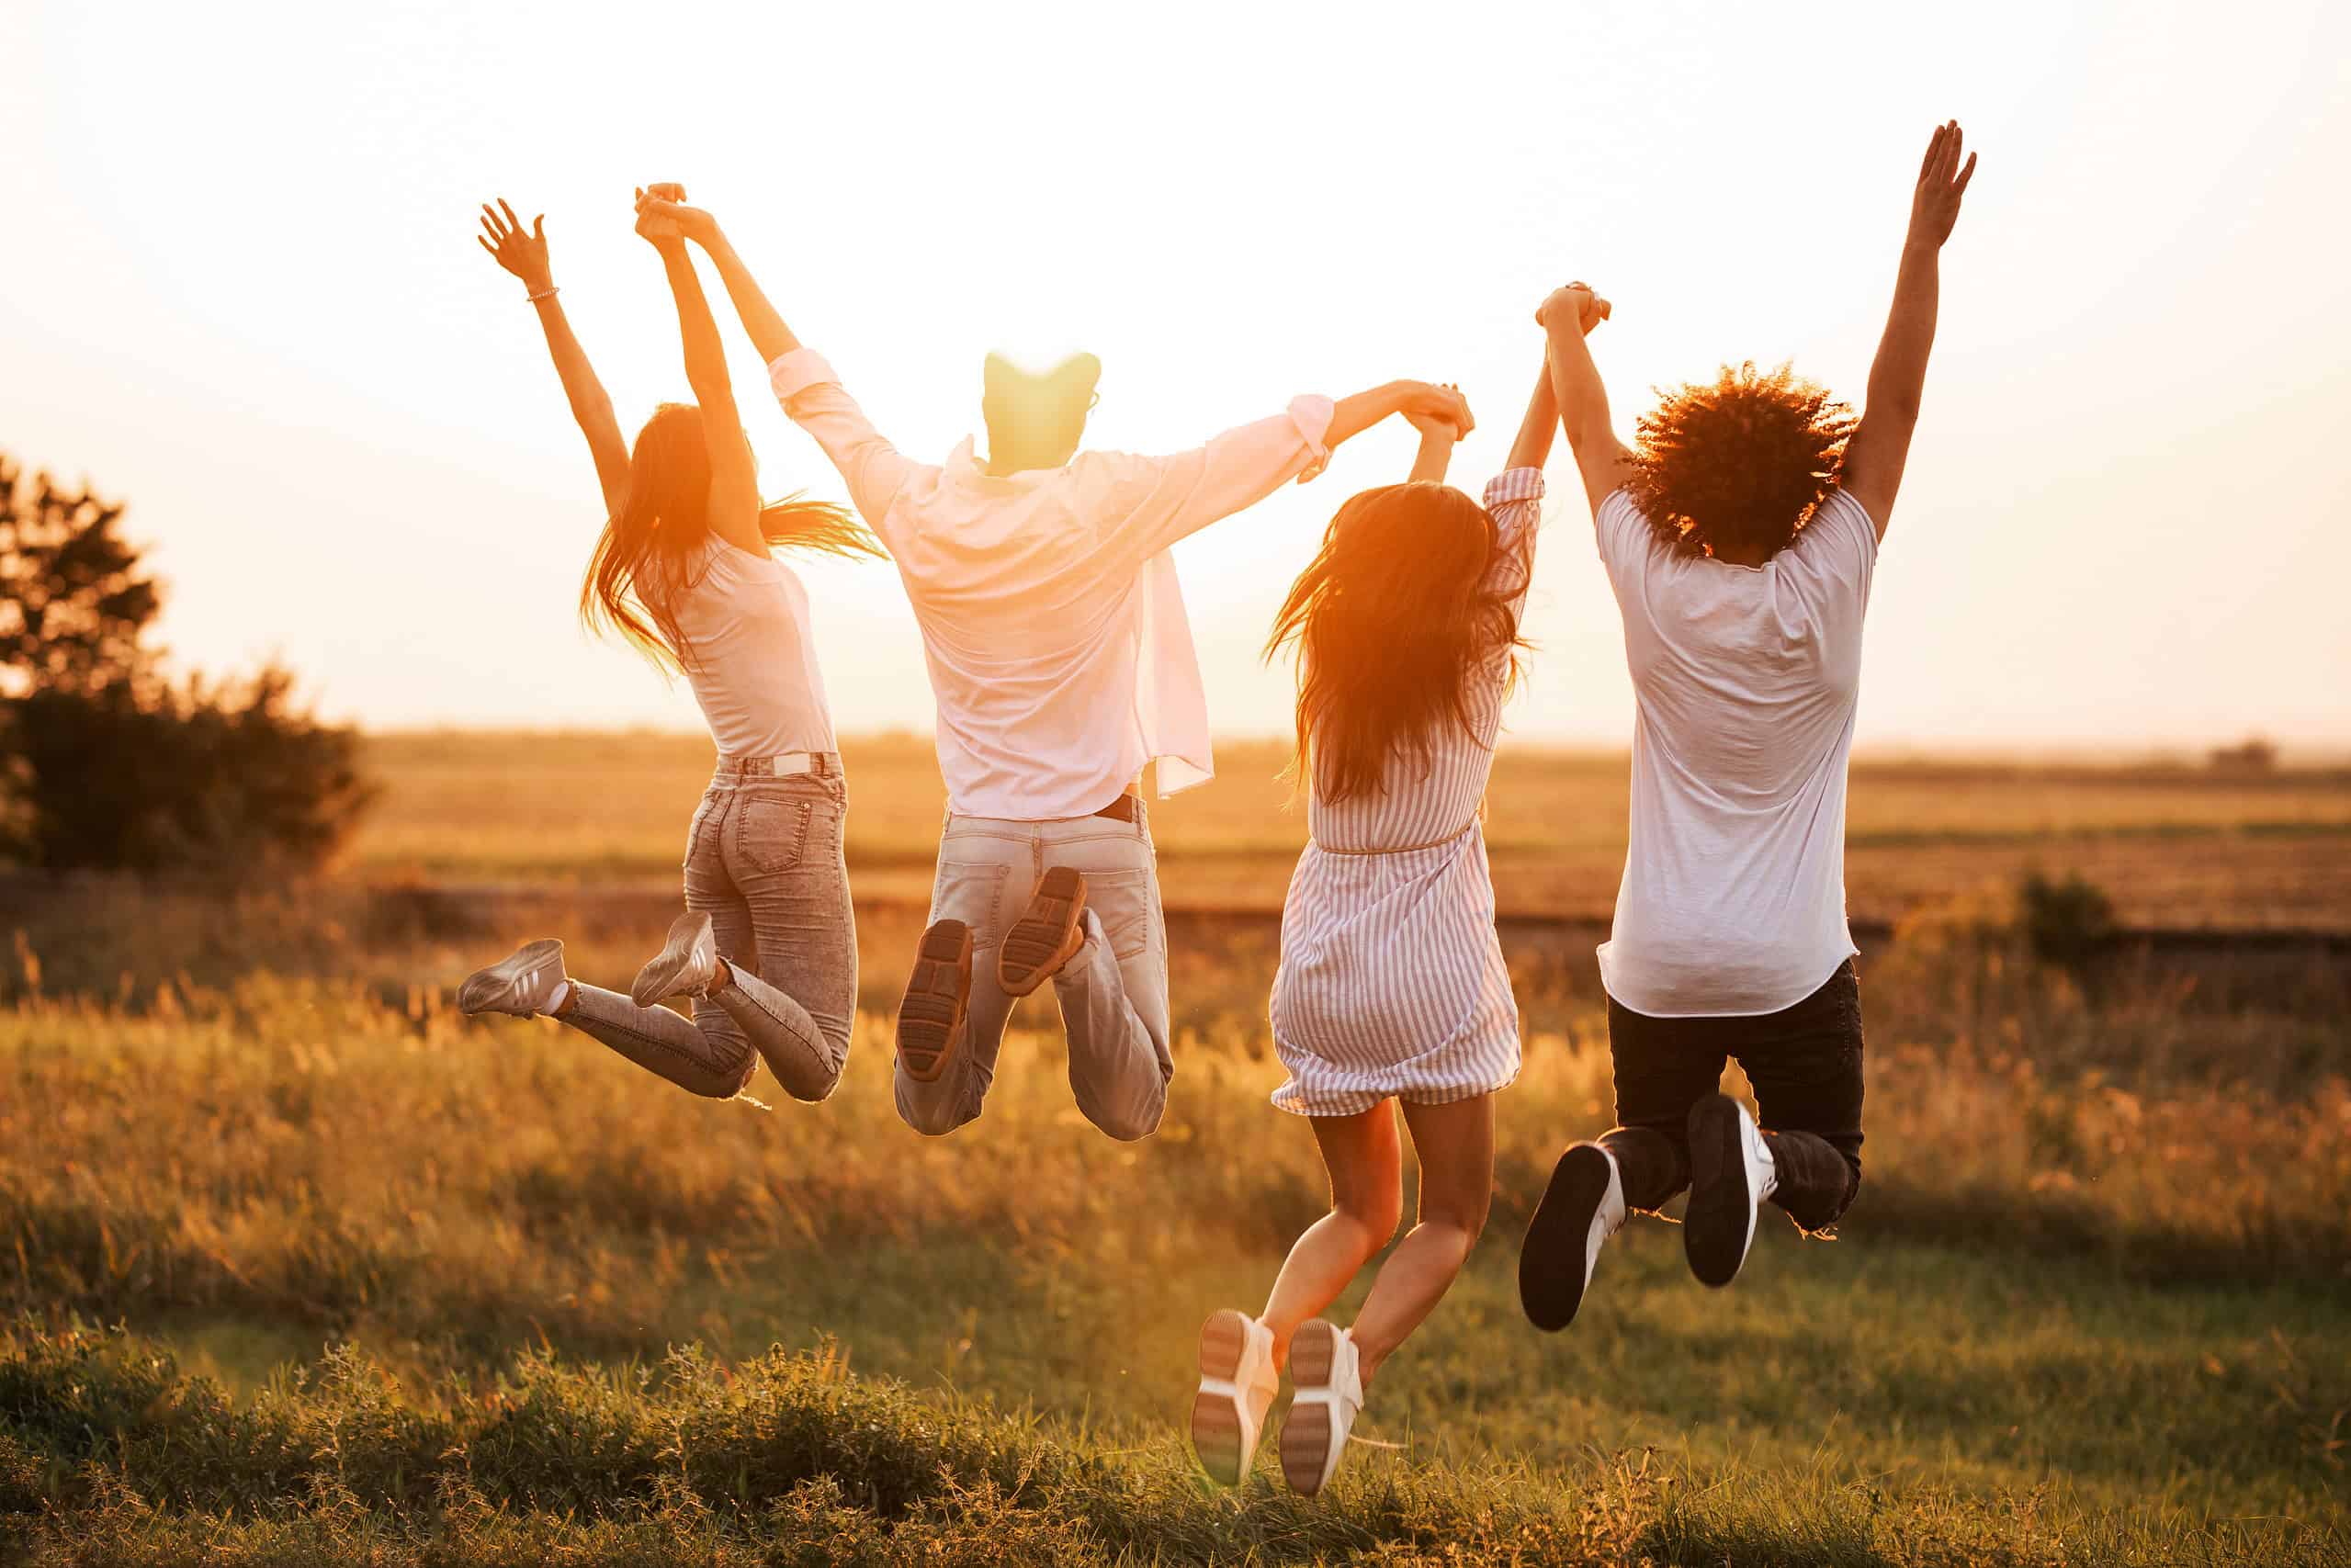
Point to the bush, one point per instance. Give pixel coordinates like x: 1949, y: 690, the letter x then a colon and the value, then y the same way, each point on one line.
x: 2066, y: 924
x: 107, y: 764
x: 232, y: 781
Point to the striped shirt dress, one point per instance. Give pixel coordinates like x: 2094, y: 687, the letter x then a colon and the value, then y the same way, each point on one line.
x: 1392, y: 983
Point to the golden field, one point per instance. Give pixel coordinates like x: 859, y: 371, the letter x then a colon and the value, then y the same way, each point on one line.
x: 298, y: 1266
x: 2173, y: 846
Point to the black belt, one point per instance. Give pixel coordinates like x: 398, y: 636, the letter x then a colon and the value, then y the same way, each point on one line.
x: 1123, y: 809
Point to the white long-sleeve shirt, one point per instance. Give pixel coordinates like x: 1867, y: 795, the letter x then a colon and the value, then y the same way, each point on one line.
x: 1060, y: 658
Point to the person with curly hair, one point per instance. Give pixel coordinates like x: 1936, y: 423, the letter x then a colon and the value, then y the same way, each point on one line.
x: 1740, y: 536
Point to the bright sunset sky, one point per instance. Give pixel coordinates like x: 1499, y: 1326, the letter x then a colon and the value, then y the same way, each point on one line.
x: 241, y: 291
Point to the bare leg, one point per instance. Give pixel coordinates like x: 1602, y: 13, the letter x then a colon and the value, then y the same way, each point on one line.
x: 1455, y: 1147
x: 1365, y: 1159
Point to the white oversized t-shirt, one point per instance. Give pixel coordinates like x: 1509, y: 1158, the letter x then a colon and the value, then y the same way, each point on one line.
x: 754, y: 666
x: 1747, y: 681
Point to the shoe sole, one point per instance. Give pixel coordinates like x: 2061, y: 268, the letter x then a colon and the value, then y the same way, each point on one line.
x: 938, y: 995
x: 1305, y: 1435
x: 1216, y: 1421
x: 485, y: 987
x: 657, y: 980
x: 1046, y: 936
x: 1551, y: 1279
x: 1719, y: 1223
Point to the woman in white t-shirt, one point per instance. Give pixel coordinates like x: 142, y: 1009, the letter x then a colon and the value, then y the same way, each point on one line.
x: 1740, y: 540
x: 767, y: 948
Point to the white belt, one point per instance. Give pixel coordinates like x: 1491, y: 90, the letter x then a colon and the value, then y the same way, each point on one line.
x: 791, y: 765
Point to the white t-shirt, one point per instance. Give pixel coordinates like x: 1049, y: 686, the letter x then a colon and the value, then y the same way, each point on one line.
x: 1747, y: 680
x: 755, y: 666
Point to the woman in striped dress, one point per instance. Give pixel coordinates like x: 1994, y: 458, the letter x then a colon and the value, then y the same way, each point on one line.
x: 1392, y: 986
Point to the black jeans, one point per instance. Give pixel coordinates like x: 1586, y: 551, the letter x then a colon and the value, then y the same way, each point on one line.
x: 1805, y: 1064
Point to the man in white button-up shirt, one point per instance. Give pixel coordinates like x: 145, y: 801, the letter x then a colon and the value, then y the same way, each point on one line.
x: 1061, y: 662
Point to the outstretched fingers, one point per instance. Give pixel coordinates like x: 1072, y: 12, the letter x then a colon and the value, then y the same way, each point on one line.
x: 1927, y: 165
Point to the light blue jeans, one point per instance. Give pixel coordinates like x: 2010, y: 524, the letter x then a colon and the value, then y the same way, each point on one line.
x: 765, y: 858
x: 1113, y: 994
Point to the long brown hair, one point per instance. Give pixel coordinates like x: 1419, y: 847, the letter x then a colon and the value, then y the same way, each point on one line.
x: 1389, y: 619
x: 645, y: 555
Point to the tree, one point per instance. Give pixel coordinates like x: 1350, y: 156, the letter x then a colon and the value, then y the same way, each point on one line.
x: 106, y: 762
x: 73, y: 605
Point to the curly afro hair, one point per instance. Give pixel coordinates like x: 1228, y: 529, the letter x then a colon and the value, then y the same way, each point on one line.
x: 1739, y: 463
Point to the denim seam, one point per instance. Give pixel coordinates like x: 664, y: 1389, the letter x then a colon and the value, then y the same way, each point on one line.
x: 657, y: 1042
x: 816, y: 1049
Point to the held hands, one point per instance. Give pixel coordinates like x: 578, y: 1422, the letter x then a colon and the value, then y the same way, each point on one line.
x: 1942, y: 180
x: 1437, y: 412
x: 521, y: 252
x: 1576, y: 304
x: 655, y: 222
x: 1432, y: 409
x: 662, y: 215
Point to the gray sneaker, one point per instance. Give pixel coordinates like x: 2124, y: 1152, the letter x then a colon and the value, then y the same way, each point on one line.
x: 519, y: 984
x: 687, y: 964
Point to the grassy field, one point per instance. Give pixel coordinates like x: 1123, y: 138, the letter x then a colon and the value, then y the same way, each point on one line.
x: 2173, y: 846
x: 397, y: 1287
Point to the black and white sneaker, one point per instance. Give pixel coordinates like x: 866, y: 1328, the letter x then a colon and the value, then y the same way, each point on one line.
x: 1731, y: 1173
x: 1582, y: 1207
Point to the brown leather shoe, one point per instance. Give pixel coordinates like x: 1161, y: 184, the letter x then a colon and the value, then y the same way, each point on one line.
x: 938, y: 995
x: 1047, y: 935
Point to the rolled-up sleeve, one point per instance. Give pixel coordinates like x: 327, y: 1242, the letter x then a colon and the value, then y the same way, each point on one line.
x: 813, y: 396
x: 1162, y: 499
x: 1514, y: 500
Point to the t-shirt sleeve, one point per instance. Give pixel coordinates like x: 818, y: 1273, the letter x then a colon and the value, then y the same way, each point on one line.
x: 1625, y: 539
x: 1839, y: 547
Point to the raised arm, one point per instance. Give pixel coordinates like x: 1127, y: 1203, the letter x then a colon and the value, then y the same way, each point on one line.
x: 1439, y: 434
x: 524, y: 252
x: 873, y: 470
x: 1149, y: 503
x: 1566, y: 317
x: 733, y: 512
x: 761, y: 320
x: 1416, y: 400
x: 1879, y: 449
x: 1532, y: 447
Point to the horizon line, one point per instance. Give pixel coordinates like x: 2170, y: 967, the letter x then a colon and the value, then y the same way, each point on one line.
x: 2290, y: 752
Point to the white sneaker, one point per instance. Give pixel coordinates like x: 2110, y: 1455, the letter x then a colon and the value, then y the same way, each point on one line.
x: 1329, y: 1379
x: 1582, y: 1207
x: 1731, y: 1173
x: 522, y: 983
x: 686, y: 965
x: 1237, y: 1388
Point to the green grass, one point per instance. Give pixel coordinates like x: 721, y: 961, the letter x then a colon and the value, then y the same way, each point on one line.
x: 109, y: 1454
x: 419, y: 1282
